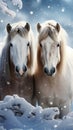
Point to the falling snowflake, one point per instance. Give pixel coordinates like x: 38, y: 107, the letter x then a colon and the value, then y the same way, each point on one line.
x: 17, y: 10
x: 51, y: 103
x: 1, y: 21
x: 31, y: 12
x: 5, y: 109
x: 63, y: 9
x: 38, y: 92
x: 48, y: 6
x: 38, y: 1
x: 55, y: 126
x: 65, y: 106
x: 42, y: 103
x: 8, y: 83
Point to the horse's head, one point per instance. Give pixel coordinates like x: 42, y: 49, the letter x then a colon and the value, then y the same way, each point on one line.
x: 49, y: 44
x: 20, y: 46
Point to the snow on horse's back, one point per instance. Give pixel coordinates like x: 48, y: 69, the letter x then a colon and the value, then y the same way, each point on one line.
x: 17, y: 61
x: 53, y: 76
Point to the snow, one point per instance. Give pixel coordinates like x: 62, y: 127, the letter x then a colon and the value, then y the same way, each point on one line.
x: 5, y: 9
x: 1, y: 20
x: 31, y: 12
x: 17, y: 114
x: 38, y: 1
x: 48, y: 6
x: 17, y: 3
x: 63, y: 9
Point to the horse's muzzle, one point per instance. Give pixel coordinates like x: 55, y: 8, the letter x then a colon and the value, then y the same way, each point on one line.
x: 21, y: 71
x: 49, y: 72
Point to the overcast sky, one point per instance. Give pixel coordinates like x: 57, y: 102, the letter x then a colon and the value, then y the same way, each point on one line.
x: 35, y: 11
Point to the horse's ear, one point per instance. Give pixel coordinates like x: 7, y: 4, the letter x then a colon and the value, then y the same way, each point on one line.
x: 57, y: 27
x: 8, y: 27
x: 27, y: 26
x: 38, y: 27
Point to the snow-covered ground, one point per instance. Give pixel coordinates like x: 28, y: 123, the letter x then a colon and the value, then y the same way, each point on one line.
x: 17, y: 114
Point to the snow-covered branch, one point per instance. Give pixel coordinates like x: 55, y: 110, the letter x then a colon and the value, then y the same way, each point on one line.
x: 5, y: 9
x: 17, y: 3
x: 17, y: 114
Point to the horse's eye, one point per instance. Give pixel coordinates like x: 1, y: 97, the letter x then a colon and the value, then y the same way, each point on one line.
x: 28, y: 44
x: 58, y: 45
x: 11, y: 44
x: 40, y: 45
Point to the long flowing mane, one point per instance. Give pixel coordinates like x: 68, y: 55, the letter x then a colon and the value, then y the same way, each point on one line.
x: 4, y: 60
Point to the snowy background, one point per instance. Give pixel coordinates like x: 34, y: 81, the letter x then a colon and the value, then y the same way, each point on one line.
x: 35, y: 11
x: 15, y: 112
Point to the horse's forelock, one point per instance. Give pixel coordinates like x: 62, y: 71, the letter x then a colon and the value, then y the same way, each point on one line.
x: 19, y: 31
x: 43, y: 34
x: 47, y: 31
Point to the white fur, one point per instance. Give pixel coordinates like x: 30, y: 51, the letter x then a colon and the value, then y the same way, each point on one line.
x: 19, y: 51
x: 50, y: 52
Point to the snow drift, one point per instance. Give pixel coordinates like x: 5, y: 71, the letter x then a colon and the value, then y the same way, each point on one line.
x: 17, y: 114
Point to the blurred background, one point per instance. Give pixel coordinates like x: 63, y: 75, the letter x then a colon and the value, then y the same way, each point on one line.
x: 35, y: 11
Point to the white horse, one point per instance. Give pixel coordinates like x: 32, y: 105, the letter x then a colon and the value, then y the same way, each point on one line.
x: 54, y: 73
x: 16, y: 62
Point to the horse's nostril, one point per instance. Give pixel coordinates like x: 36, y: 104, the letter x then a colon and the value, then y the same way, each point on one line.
x: 52, y: 71
x: 17, y: 68
x: 24, y: 68
x: 46, y: 70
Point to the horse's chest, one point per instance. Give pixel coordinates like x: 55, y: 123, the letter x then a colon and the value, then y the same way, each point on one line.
x: 51, y: 93
x: 23, y: 88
